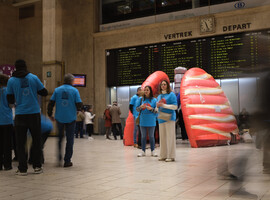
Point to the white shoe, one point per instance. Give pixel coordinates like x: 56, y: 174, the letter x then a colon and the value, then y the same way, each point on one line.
x: 169, y: 160
x: 141, y: 154
x: 154, y: 154
x: 90, y: 138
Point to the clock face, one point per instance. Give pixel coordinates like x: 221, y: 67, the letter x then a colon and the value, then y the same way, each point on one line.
x: 207, y: 25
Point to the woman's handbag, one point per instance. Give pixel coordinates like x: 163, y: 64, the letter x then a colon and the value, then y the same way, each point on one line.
x: 165, y: 116
x: 138, y: 119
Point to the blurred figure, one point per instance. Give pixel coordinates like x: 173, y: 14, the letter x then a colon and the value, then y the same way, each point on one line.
x: 243, y: 119
x: 232, y: 166
x: 68, y: 101
x: 89, y: 122
x: 261, y: 119
x: 46, y: 128
x: 6, y: 126
x: 108, y: 121
x: 23, y: 88
x: 116, y: 121
x: 181, y: 121
x: 167, y: 104
x: 79, y: 123
x: 132, y: 108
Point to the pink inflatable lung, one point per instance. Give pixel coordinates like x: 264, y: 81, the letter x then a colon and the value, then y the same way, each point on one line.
x: 208, y: 116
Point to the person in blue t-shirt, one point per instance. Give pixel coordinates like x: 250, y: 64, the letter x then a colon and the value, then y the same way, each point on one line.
x: 167, y: 104
x: 67, y: 100
x: 147, y: 107
x: 132, y: 108
x: 23, y: 89
x: 6, y: 126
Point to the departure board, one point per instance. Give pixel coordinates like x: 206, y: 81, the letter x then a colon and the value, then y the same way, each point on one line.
x: 219, y: 56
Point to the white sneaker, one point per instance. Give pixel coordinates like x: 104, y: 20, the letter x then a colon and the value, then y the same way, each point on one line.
x: 90, y: 138
x: 154, y: 154
x: 169, y: 160
x: 141, y: 154
x: 19, y: 173
x: 38, y: 170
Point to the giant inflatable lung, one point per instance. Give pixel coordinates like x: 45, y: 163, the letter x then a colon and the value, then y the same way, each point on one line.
x: 208, y: 116
x: 155, y: 79
x: 152, y: 80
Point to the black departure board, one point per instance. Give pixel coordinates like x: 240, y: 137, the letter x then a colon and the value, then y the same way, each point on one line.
x: 219, y: 56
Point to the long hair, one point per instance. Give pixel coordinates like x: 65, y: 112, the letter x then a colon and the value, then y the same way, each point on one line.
x: 151, y: 93
x: 168, y: 87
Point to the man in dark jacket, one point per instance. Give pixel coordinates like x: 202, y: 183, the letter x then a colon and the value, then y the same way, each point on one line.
x: 22, y: 90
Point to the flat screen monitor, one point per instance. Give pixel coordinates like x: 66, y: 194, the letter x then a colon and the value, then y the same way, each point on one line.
x: 79, y: 80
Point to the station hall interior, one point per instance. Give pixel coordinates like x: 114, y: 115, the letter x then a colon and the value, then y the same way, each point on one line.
x: 112, y: 46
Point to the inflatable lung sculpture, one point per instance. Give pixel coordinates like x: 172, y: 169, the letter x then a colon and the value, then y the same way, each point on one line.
x: 128, y: 131
x: 154, y: 80
x: 208, y: 116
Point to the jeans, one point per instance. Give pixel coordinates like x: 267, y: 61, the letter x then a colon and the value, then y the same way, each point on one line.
x: 135, y: 132
x: 69, y: 128
x: 151, y: 131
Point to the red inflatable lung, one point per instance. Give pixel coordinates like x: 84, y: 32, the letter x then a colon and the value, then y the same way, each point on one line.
x: 128, y: 131
x: 154, y: 80
x: 208, y: 116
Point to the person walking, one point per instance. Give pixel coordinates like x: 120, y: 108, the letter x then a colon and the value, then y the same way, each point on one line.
x: 132, y: 108
x: 147, y: 116
x: 116, y: 121
x: 22, y: 89
x: 67, y: 100
x: 108, y: 121
x: 79, y: 124
x: 89, y: 122
x: 167, y: 104
x: 6, y: 126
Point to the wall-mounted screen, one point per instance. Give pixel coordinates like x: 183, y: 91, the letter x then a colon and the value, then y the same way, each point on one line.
x: 79, y: 80
x: 219, y: 56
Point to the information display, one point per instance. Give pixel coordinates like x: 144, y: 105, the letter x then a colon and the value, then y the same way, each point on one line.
x: 79, y: 80
x: 219, y: 56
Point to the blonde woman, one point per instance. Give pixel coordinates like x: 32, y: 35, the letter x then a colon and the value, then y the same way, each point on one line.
x: 167, y: 104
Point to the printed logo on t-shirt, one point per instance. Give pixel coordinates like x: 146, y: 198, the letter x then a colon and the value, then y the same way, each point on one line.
x: 24, y: 83
x: 64, y: 99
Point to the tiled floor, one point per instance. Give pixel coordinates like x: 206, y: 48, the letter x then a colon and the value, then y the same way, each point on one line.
x: 106, y: 169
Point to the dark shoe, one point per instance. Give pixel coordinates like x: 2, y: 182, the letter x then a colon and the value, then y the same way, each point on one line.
x: 19, y: 173
x: 108, y: 138
x: 69, y: 164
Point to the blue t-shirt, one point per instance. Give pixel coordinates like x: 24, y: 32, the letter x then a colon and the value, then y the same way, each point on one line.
x: 25, y: 91
x: 46, y: 124
x: 66, y: 97
x: 170, y: 100
x: 133, y: 102
x: 147, y: 118
x: 5, y: 110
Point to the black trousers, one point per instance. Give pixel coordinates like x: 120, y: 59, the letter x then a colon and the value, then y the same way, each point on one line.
x: 90, y: 129
x: 117, y: 130
x: 5, y: 146
x: 23, y: 123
